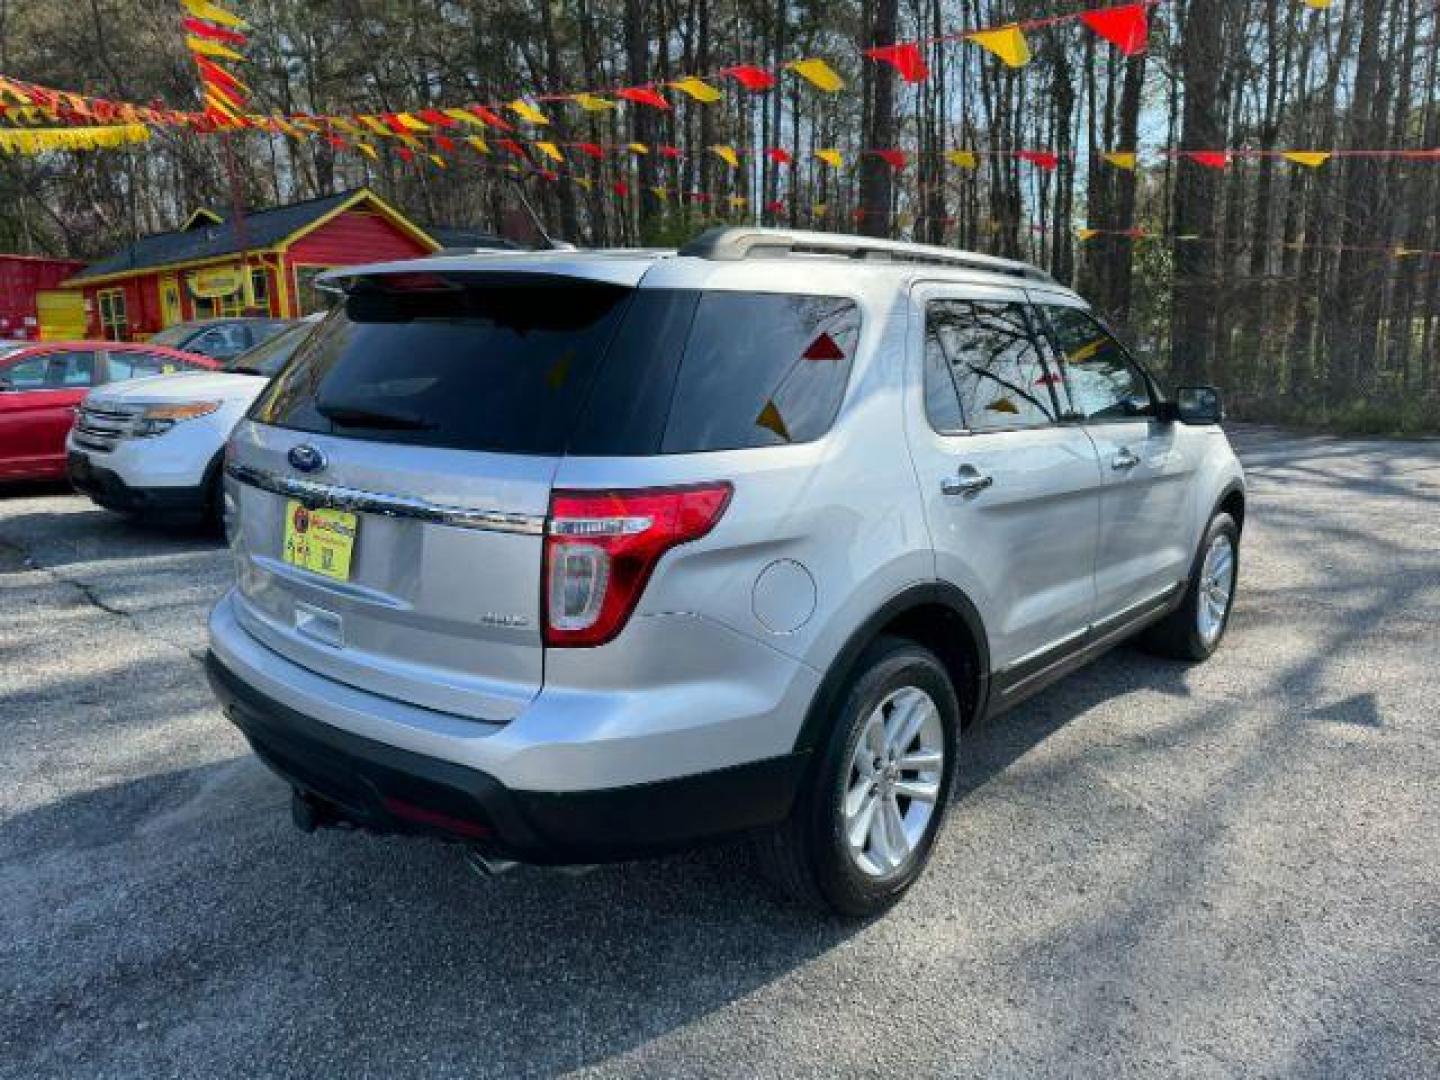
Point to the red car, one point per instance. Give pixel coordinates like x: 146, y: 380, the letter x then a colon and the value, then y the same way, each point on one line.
x: 40, y: 386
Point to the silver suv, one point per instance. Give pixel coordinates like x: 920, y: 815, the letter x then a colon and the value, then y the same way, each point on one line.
x: 580, y: 556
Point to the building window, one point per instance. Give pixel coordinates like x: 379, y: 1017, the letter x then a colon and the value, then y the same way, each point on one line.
x: 260, y: 288
x: 231, y: 306
x: 310, y: 298
x: 114, y: 326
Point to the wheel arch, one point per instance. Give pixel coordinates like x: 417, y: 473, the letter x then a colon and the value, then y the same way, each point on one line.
x: 934, y: 614
x: 1232, y: 502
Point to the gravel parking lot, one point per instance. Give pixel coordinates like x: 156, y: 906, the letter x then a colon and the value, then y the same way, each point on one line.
x: 1226, y: 870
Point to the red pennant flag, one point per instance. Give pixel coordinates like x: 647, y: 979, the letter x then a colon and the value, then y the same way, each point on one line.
x: 438, y: 118
x: 669, y: 151
x: 336, y: 141
x: 697, y: 196
x: 211, y: 32
x: 904, y: 58
x: 444, y: 142
x: 621, y: 188
x: 1052, y: 379
x: 894, y: 158
x: 776, y: 207
x: 393, y: 123
x: 779, y: 156
x: 823, y: 348
x: 493, y: 119
x: 1211, y: 159
x: 515, y: 148
x: 750, y: 77
x: 643, y: 95
x: 549, y: 175
x: 406, y: 154
x: 1126, y: 27
x: 1041, y: 159
x: 858, y: 214
x: 592, y: 149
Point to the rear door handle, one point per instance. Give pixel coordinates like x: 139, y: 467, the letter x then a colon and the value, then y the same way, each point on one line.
x: 968, y: 481
x: 1124, y: 460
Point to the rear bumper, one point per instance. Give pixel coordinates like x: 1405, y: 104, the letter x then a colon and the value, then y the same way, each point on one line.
x: 387, y: 789
x: 109, y: 489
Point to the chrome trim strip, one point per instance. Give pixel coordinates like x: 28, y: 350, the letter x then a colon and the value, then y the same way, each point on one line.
x: 315, y: 493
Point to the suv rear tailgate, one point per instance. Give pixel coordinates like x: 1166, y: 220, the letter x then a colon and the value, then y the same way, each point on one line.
x: 441, y: 605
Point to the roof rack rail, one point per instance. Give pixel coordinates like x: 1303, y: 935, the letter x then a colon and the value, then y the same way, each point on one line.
x: 730, y: 244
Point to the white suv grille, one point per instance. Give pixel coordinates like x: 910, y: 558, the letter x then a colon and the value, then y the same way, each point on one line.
x: 101, y: 427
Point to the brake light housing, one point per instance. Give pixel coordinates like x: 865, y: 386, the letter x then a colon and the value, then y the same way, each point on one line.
x: 602, y: 546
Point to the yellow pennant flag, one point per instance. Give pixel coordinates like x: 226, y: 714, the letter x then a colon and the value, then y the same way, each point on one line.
x: 1087, y: 234
x: 368, y: 150
x: 592, y: 103
x: 203, y: 9
x: 818, y: 73
x: 550, y: 150
x: 283, y: 125
x: 1007, y: 42
x: 584, y: 181
x: 438, y: 160
x: 698, y: 89
x: 771, y: 420
x: 1311, y: 159
x: 210, y: 48
x: 1405, y: 253
x: 465, y: 117
x: 42, y: 140
x: 832, y: 158
x: 638, y: 148
x: 727, y: 154
x: 738, y: 202
x: 1318, y: 5
x: 966, y: 159
x: 1121, y: 159
x: 527, y: 112
x: 480, y: 145
x: 375, y: 124
x: 819, y: 210
x: 412, y: 123
x: 660, y: 192
x: 1004, y: 405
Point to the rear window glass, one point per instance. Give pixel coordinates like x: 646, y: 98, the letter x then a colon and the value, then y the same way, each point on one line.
x: 512, y: 366
x: 504, y: 367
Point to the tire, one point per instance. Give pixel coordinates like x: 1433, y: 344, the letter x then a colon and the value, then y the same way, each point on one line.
x: 212, y: 516
x: 808, y: 856
x: 1190, y: 631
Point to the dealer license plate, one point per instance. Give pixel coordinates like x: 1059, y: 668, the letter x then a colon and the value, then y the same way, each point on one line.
x: 321, y: 540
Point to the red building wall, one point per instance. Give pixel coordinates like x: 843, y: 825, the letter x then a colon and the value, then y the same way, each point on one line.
x: 21, y: 277
x: 356, y: 236
x: 142, y: 306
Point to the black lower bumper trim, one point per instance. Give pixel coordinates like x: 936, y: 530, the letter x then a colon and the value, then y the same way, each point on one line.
x: 376, y: 786
x: 106, y: 487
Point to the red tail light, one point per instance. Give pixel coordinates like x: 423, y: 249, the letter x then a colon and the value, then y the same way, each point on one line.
x: 602, y: 546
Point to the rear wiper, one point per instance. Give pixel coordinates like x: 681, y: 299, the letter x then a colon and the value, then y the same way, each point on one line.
x: 362, y: 417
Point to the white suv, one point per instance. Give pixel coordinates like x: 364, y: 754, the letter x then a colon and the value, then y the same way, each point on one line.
x: 585, y: 555
x: 154, y: 446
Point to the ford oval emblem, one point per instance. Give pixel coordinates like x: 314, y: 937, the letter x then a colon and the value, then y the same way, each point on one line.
x: 307, y: 458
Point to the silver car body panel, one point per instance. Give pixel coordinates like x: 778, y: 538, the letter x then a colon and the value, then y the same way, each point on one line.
x: 439, y: 646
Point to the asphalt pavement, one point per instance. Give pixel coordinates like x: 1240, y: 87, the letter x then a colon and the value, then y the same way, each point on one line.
x: 1151, y: 869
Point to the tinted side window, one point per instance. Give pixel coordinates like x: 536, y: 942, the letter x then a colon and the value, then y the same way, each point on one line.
x: 70, y: 370
x: 761, y: 369
x: 222, y: 342
x: 1103, y: 383
x: 136, y: 365
x: 998, y: 368
x: 27, y: 374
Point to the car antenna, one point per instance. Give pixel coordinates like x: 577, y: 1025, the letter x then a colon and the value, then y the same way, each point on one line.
x: 550, y: 244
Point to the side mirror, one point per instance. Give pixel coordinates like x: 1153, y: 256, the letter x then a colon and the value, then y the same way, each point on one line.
x: 5, y: 384
x: 1199, y: 405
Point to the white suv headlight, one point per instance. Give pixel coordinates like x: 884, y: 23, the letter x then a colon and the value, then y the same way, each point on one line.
x: 158, y: 419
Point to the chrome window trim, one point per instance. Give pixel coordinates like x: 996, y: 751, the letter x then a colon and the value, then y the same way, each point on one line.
x: 315, y: 493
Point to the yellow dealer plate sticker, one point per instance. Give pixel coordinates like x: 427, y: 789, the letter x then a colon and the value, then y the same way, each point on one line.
x: 320, y: 541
